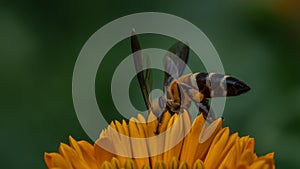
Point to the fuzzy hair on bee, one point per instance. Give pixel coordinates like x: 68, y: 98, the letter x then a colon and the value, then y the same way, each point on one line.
x: 183, y: 90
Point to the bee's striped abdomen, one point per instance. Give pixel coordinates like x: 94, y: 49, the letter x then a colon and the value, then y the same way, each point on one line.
x: 217, y: 85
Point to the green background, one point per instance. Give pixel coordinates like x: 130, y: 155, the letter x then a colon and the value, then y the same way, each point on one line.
x: 40, y: 41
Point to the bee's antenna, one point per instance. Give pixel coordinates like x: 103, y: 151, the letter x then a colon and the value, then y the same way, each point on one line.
x: 133, y: 31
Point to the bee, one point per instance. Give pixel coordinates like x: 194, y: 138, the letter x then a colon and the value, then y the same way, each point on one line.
x: 183, y: 90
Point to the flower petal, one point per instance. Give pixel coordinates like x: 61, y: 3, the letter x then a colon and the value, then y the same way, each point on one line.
x: 231, y: 158
x: 164, y: 122
x: 146, y: 166
x: 101, y: 154
x: 198, y: 164
x: 195, y: 146
x: 173, y: 137
x: 174, y: 163
x: 72, y: 157
x: 74, y: 145
x: 207, y: 135
x: 160, y: 165
x: 55, y: 160
x: 115, y: 163
x: 183, y: 165
x: 154, y: 144
x: 216, y: 148
x: 123, y: 145
x: 191, y: 141
x: 106, y: 165
x: 138, y: 143
x: 88, y: 153
x: 246, y: 158
x: 129, y: 164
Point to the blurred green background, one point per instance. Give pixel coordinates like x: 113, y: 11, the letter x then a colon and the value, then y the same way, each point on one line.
x: 258, y: 42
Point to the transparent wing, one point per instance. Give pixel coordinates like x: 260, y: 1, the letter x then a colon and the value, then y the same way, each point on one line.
x: 148, y: 76
x: 175, y: 65
x: 144, y: 76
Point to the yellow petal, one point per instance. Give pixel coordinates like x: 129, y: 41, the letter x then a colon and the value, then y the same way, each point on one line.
x: 174, y: 133
x: 126, y: 140
x: 106, y: 165
x: 250, y: 144
x: 198, y: 164
x: 160, y: 165
x: 207, y: 132
x: 142, y: 121
x: 164, y: 122
x: 72, y: 157
x: 151, y: 125
x: 115, y: 163
x: 233, y: 139
x: 146, y: 166
x: 154, y: 143
x: 138, y: 143
x: 174, y: 163
x: 203, y: 147
x: 187, y: 123
x: 125, y: 145
x: 247, y: 158
x: 103, y: 133
x: 88, y: 153
x: 206, y: 139
x: 191, y: 141
x: 125, y: 127
x: 183, y: 165
x: 56, y: 160
x: 216, y: 149
x: 114, y: 142
x: 75, y: 146
x: 129, y: 164
x: 242, y: 166
x: 246, y: 143
x: 112, y: 125
x: 268, y: 160
x: 260, y: 165
x: 231, y: 158
x: 101, y: 154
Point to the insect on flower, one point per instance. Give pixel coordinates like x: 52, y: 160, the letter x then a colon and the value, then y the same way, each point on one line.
x: 181, y: 90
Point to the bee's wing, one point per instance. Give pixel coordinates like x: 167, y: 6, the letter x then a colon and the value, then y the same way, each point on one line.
x: 148, y: 76
x: 175, y: 66
x: 144, y: 76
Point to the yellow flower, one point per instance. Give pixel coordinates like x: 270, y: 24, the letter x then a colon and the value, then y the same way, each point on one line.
x: 201, y: 147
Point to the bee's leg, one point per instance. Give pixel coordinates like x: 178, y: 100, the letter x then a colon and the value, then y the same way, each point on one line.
x: 173, y: 107
x: 173, y: 104
x: 208, y: 113
x: 166, y: 105
x: 203, y: 108
x: 200, y: 100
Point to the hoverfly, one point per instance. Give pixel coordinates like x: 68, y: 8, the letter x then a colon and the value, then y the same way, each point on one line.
x: 182, y: 90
